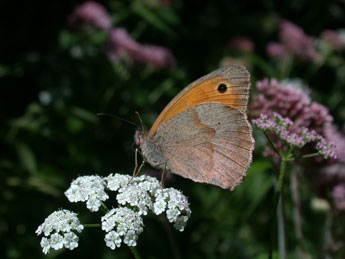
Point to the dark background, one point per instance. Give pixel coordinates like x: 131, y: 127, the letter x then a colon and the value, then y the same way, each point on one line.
x: 46, y: 145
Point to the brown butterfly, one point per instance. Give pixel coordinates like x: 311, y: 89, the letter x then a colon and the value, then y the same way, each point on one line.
x: 203, y: 134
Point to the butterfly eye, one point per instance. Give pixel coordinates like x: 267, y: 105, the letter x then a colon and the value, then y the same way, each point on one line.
x: 139, y: 142
x: 222, y: 88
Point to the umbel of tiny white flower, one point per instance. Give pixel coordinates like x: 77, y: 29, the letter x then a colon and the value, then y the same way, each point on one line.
x: 59, y: 231
x: 144, y: 193
x: 176, y: 206
x: 122, y: 224
x: 136, y: 196
x: 89, y: 189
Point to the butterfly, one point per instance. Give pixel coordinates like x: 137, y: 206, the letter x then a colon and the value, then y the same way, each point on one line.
x: 203, y: 133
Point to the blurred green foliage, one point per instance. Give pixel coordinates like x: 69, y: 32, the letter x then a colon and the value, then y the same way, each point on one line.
x: 54, y: 81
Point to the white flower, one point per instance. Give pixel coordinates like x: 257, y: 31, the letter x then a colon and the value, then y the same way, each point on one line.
x: 45, y: 244
x: 176, y: 206
x: 70, y: 240
x: 116, y: 181
x: 112, y: 240
x: 123, y: 224
x: 56, y: 241
x: 88, y: 188
x: 135, y: 196
x: 58, y: 230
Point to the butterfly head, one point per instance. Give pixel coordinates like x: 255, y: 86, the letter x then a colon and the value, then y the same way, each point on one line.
x: 140, y: 136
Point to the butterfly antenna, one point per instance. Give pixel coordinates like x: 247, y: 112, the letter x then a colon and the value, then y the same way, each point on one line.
x: 116, y: 117
x: 142, y: 124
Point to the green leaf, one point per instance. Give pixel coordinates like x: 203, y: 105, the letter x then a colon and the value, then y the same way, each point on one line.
x: 27, y: 158
x: 152, y: 18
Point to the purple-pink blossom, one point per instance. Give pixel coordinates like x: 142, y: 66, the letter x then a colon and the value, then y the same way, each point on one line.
x: 333, y: 38
x: 121, y: 45
x: 296, y: 41
x: 290, y: 102
x: 90, y: 13
x: 282, y: 131
x: 338, y: 194
x: 294, y: 102
x: 242, y: 44
x: 277, y: 50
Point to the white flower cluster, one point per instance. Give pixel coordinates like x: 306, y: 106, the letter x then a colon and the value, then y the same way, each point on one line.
x: 122, y: 224
x: 134, y: 191
x: 89, y: 189
x: 143, y: 194
x: 136, y: 196
x: 58, y: 231
x: 176, y: 206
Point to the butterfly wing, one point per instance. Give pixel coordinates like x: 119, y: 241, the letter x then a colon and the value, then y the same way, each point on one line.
x: 229, y: 85
x: 208, y: 143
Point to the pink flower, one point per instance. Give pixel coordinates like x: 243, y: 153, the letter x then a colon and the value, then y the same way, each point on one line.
x: 90, y: 13
x: 335, y: 136
x: 333, y: 38
x: 282, y: 131
x: 290, y: 102
x: 242, y: 44
x: 277, y: 50
x: 296, y: 41
x: 156, y: 56
x: 121, y: 44
x: 295, y: 103
x: 338, y: 194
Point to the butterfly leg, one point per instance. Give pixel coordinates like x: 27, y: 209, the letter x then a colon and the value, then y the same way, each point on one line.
x: 163, y: 177
x: 135, y: 161
x: 135, y: 172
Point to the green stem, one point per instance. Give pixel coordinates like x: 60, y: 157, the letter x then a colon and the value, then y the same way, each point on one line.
x: 271, y: 143
x: 308, y: 155
x: 275, y: 204
x: 91, y: 225
x: 104, y: 207
x: 135, y: 252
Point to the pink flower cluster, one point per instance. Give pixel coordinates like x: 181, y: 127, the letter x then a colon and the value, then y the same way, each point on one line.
x: 290, y: 102
x: 282, y: 128
x: 295, y: 103
x: 242, y: 44
x: 121, y: 44
x: 334, y: 39
x: 293, y: 41
x: 339, y: 196
x: 90, y: 13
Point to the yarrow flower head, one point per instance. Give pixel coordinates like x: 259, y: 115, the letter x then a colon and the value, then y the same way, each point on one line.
x: 280, y: 129
x: 176, y: 206
x: 59, y: 231
x: 122, y: 225
x: 90, y: 13
x: 89, y: 189
x: 136, y: 197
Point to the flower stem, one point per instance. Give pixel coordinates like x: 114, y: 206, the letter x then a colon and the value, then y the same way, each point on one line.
x: 91, y: 225
x: 135, y: 252
x: 105, y: 208
x: 271, y: 142
x: 308, y: 155
x: 275, y: 204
